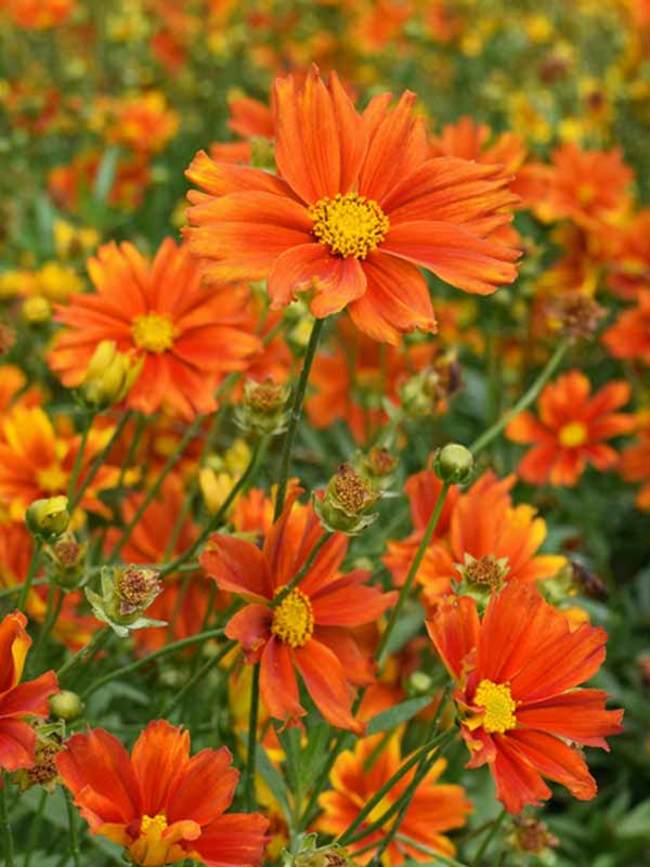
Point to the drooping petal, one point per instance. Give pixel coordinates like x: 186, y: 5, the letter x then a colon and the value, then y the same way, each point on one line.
x: 454, y: 630
x: 278, y: 684
x: 234, y: 840
x: 237, y: 566
x: 251, y: 628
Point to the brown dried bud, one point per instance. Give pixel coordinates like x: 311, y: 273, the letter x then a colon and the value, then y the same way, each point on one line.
x: 532, y: 835
x: 575, y: 314
x: 348, y: 499
x: 44, y: 771
x: 137, y: 588
x: 263, y: 408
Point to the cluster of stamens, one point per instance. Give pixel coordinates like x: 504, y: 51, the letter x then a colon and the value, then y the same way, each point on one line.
x: 293, y: 619
x: 350, y: 224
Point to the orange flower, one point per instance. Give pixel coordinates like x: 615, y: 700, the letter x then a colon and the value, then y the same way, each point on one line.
x: 629, y: 265
x: 356, y: 207
x: 629, y: 336
x: 469, y: 140
x: 38, y: 14
x: 187, y: 336
x: 571, y: 430
x: 516, y: 673
x: 69, y: 184
x: 143, y: 122
x: 35, y: 462
x: 161, y: 804
x: 250, y: 119
x: 433, y: 809
x: 483, y: 523
x: 310, y: 630
x: 635, y: 462
x: 19, y: 702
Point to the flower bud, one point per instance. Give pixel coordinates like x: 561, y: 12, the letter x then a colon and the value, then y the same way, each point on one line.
x: 348, y: 499
x: 263, y: 408
x: 48, y: 518
x: 532, y: 836
x: 378, y: 467
x: 67, y: 559
x: 326, y: 856
x: 127, y: 591
x: 109, y: 376
x: 66, y: 705
x: 36, y: 310
x: 426, y: 392
x: 454, y: 463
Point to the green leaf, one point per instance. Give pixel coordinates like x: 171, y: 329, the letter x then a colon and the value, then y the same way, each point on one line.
x: 274, y: 781
x: 106, y: 174
x: 636, y: 823
x: 395, y: 716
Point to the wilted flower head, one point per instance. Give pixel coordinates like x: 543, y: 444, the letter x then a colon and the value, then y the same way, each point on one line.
x: 263, y: 407
x: 127, y: 592
x: 348, y: 499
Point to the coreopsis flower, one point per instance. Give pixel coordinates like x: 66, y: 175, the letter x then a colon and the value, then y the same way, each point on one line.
x: 482, y: 538
x: 571, y: 430
x: 36, y: 462
x: 69, y: 183
x: 38, y: 14
x: 517, y: 672
x: 19, y: 702
x: 629, y: 265
x: 142, y: 122
x: 629, y: 336
x: 252, y: 120
x: 161, y: 804
x: 356, y: 207
x: 635, y: 462
x: 470, y: 140
x: 434, y: 808
x: 309, y: 630
x: 187, y: 336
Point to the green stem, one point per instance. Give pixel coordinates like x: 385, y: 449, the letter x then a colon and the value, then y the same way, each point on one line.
x: 306, y: 566
x: 5, y: 827
x: 51, y: 616
x: 37, y: 821
x: 72, y: 825
x: 171, y: 462
x: 138, y: 663
x: 18, y: 588
x: 415, y: 565
x: 96, y: 643
x: 98, y: 461
x: 79, y: 459
x: 488, y: 838
x: 31, y: 574
x: 196, y: 677
x: 426, y: 850
x: 217, y: 519
x: 294, y: 416
x: 249, y: 780
x: 524, y: 401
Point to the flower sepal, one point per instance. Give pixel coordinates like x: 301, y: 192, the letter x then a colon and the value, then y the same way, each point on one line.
x: 126, y: 592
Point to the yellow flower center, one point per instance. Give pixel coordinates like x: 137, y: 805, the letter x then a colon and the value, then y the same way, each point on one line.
x: 154, y: 332
x: 499, y: 705
x: 153, y: 824
x: 573, y: 434
x: 52, y: 479
x: 293, y: 620
x: 349, y: 225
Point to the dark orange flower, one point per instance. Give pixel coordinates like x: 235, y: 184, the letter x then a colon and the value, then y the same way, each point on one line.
x: 516, y: 673
x: 310, y: 630
x: 70, y: 184
x: 483, y: 523
x: 38, y: 14
x: 629, y: 265
x: 469, y: 140
x: 250, y: 119
x: 433, y: 809
x: 187, y: 336
x: 161, y: 804
x: 635, y: 462
x: 357, y: 206
x: 629, y: 336
x: 571, y: 429
x: 37, y: 462
x: 19, y: 702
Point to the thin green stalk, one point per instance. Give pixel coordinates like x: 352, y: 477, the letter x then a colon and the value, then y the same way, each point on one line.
x: 163, y: 651
x: 196, y: 677
x: 306, y: 566
x: 249, y: 779
x: 415, y: 565
x: 488, y: 838
x: 18, y: 588
x: 5, y: 827
x: 97, y: 462
x: 524, y: 401
x: 35, y: 827
x: 294, y: 416
x: 31, y: 574
x: 72, y: 827
x: 79, y: 457
x: 171, y: 462
x: 51, y: 616
x: 216, y: 520
x: 426, y: 850
x: 96, y: 643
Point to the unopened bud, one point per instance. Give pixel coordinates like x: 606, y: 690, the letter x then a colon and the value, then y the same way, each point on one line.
x: 48, y: 518
x: 326, y: 856
x: 379, y: 463
x: 127, y: 592
x: 532, y: 836
x: 36, y: 310
x: 263, y: 408
x: 66, y: 705
x: 67, y: 559
x: 349, y: 498
x: 426, y: 392
x: 454, y: 463
x: 109, y: 376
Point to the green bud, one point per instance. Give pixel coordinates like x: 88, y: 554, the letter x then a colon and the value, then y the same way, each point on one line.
x: 48, y: 518
x: 66, y: 705
x: 109, y: 376
x: 263, y: 408
x: 454, y: 463
x: 67, y: 559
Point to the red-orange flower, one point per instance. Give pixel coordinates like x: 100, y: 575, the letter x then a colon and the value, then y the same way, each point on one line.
x: 516, y: 673
x: 188, y: 336
x: 250, y: 119
x: 19, y: 702
x: 629, y: 265
x: 629, y: 336
x: 635, y: 462
x: 469, y: 140
x: 357, y: 206
x: 309, y: 631
x: 433, y: 809
x: 159, y: 803
x: 570, y: 432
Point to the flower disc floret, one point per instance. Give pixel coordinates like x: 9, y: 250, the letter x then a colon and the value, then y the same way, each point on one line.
x: 496, y: 699
x: 154, y: 332
x: 573, y: 435
x: 350, y: 224
x: 293, y: 620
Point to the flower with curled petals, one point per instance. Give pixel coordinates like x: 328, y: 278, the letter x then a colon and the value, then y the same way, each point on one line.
x: 516, y: 672
x: 160, y: 803
x: 357, y: 207
x: 309, y: 629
